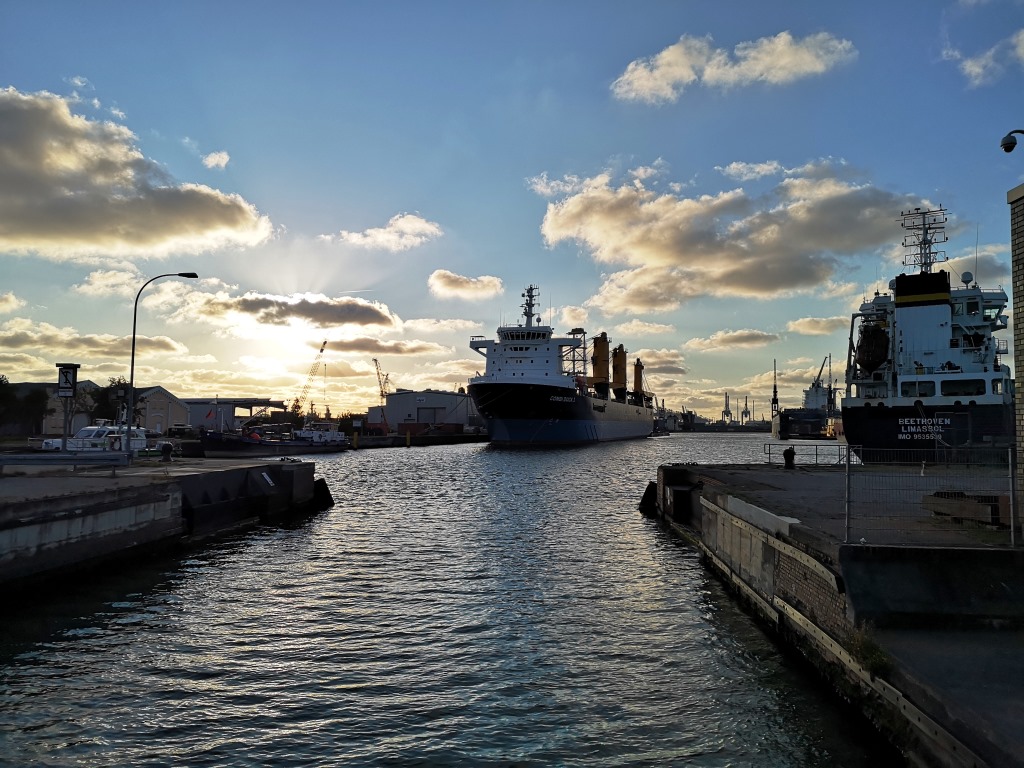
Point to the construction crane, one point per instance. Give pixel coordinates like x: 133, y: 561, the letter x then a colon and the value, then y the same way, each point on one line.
x: 300, y: 401
x: 384, y: 385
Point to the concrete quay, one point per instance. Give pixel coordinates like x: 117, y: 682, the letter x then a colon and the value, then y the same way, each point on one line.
x: 927, y: 641
x: 55, y: 519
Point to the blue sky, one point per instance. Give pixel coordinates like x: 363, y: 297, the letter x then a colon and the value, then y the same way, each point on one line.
x: 716, y: 185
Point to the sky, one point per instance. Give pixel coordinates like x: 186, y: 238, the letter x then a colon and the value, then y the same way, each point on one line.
x: 715, y: 185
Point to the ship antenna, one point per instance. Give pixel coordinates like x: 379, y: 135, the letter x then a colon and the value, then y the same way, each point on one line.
x: 977, y: 238
x: 775, y: 390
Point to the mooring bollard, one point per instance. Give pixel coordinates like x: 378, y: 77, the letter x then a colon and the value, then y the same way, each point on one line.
x: 789, y: 456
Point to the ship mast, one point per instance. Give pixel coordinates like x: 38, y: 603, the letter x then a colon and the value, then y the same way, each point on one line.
x: 530, y: 296
x: 924, y: 230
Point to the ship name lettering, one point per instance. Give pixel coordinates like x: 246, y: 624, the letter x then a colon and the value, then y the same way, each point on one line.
x: 561, y: 399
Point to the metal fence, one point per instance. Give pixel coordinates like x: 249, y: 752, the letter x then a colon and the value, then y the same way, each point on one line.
x: 960, y: 498
x: 964, y: 498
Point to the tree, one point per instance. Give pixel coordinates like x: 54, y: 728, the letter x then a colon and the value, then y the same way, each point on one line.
x: 8, y: 400
x: 35, y: 407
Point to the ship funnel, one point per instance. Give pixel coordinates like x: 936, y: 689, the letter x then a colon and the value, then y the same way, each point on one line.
x: 638, y: 379
x: 619, y: 372
x: 600, y: 365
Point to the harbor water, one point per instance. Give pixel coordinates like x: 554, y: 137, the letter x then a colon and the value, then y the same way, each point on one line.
x: 460, y: 605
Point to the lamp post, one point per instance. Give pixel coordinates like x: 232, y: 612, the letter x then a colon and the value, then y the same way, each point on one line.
x: 1009, y: 141
x: 131, y: 374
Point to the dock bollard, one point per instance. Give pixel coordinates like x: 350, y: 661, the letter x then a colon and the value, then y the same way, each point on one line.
x: 789, y: 456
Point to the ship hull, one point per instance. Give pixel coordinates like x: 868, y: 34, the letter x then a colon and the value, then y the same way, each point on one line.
x: 529, y: 414
x: 926, y: 433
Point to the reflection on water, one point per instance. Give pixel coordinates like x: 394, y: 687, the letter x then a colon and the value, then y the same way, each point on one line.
x: 459, y: 605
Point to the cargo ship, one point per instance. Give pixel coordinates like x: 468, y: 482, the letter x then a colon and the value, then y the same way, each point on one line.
x: 925, y: 374
x: 536, y: 389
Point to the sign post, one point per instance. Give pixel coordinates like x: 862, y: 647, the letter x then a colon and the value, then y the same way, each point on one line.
x: 67, y: 388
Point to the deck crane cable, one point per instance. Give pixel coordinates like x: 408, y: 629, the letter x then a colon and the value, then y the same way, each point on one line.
x: 300, y: 401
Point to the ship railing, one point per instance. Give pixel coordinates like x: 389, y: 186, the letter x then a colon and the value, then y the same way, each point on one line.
x: 949, y: 496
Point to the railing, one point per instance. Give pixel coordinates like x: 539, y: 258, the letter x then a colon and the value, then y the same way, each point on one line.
x: 829, y: 454
x: 112, y: 459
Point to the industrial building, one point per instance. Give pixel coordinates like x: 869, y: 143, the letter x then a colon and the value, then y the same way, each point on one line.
x: 424, y: 411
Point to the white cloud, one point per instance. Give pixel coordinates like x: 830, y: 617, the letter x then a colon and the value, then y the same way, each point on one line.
x: 988, y: 66
x: 109, y: 282
x: 775, y: 60
x: 216, y: 159
x: 642, y: 328
x: 818, y: 326
x: 722, y: 341
x: 750, y: 171
x: 402, y: 232
x: 448, y: 285
x: 546, y: 187
x: 9, y: 302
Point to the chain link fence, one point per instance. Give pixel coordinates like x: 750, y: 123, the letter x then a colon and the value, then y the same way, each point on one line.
x: 961, y: 498
x: 964, y: 498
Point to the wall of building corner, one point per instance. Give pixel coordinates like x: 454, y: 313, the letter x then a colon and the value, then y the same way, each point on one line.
x: 1015, y: 198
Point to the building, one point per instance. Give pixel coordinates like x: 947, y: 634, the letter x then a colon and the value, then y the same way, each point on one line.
x: 156, y: 409
x: 1015, y: 199
x: 427, y: 410
x: 220, y: 413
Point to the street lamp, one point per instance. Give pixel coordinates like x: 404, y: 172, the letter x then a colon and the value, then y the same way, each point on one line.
x: 131, y: 375
x: 1009, y: 141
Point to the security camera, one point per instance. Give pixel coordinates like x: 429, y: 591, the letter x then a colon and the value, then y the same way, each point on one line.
x: 1008, y: 143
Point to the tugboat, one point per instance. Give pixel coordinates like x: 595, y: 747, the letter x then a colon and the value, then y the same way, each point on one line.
x: 535, y: 390
x: 925, y: 379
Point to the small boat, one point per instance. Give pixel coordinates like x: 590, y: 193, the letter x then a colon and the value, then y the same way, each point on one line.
x: 925, y: 370
x: 102, y: 435
x: 535, y: 389
x: 275, y: 440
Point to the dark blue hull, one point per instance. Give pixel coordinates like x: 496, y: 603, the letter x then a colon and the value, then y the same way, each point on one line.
x: 528, y: 414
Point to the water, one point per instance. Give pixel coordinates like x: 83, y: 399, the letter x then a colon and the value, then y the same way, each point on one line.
x: 460, y: 605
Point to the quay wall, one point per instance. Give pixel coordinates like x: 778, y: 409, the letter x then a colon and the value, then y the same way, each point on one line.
x: 56, y: 522
x: 791, y: 579
x: 47, y: 534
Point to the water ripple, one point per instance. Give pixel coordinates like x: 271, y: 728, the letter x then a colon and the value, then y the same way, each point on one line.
x: 458, y: 606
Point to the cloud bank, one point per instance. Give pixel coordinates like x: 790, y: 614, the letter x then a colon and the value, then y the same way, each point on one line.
x: 71, y: 187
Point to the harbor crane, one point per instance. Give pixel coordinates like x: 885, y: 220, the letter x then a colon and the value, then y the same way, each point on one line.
x: 299, y: 403
x: 384, y: 384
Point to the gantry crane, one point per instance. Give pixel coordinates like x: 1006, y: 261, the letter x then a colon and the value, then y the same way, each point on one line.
x: 299, y: 403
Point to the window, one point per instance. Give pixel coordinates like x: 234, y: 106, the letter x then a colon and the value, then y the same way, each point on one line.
x: 917, y: 389
x: 963, y: 387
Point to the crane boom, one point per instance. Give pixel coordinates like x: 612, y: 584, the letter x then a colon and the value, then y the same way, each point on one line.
x: 300, y: 401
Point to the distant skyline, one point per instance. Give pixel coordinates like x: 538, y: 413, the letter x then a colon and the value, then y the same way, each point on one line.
x: 716, y: 186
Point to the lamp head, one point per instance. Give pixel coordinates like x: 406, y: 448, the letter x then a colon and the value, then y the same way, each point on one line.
x: 1008, y: 143
x: 193, y: 274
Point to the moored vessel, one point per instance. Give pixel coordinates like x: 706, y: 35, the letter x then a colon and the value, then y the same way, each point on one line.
x: 815, y: 418
x: 275, y: 440
x: 925, y: 377
x: 536, y: 390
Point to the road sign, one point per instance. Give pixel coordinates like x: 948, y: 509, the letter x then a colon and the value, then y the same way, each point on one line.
x: 67, y: 379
